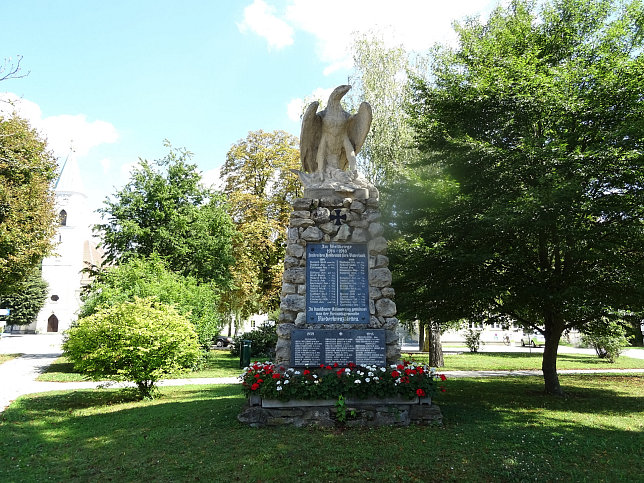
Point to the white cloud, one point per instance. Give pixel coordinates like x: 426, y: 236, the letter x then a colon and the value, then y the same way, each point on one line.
x: 260, y: 18
x: 416, y: 24
x: 212, y: 179
x: 105, y: 163
x: 295, y: 107
x: 63, y: 132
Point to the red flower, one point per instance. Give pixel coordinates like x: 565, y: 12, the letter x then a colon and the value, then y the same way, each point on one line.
x: 404, y: 379
x: 306, y: 372
x: 395, y: 374
x: 335, y: 364
x: 276, y: 376
x: 259, y: 381
x: 322, y: 366
x: 256, y: 376
x: 351, y: 365
x: 442, y: 389
x: 420, y: 392
x: 401, y: 367
x: 340, y: 372
x: 254, y: 387
x: 420, y: 370
x: 442, y: 376
x: 328, y: 367
x: 407, y: 371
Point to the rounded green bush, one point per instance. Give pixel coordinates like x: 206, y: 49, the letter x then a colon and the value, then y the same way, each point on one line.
x: 138, y: 341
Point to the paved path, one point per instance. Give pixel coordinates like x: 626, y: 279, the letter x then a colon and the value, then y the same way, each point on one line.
x: 17, y: 376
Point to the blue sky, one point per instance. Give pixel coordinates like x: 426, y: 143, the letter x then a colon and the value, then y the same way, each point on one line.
x: 113, y: 79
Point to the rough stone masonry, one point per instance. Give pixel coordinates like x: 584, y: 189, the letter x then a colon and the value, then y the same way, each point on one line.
x: 336, y: 217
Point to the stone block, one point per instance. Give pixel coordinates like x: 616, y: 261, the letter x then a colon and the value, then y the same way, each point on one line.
x: 376, y: 229
x: 374, y: 323
x: 330, y: 202
x: 284, y: 330
x: 294, y: 275
x: 300, y: 214
x: 359, y: 235
x: 288, y: 288
x: 343, y: 234
x: 390, y: 323
x: 295, y: 250
x: 329, y: 228
x: 286, y: 317
x: 372, y: 215
x: 312, y: 234
x: 321, y: 215
x: 381, y: 261
x: 391, y: 337
x: 374, y: 293
x: 292, y: 234
x: 302, y: 204
x: 301, y: 289
x: 296, y: 303
x: 300, y: 319
x: 378, y: 246
x: 364, y: 224
x: 388, y: 292
x: 255, y: 416
x: 379, y: 277
x: 372, y: 307
x: 290, y: 261
x: 384, y: 307
x: 357, y: 206
x: 301, y: 222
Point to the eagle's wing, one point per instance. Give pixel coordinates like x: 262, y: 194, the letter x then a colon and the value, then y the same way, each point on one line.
x: 358, y: 126
x: 310, y: 137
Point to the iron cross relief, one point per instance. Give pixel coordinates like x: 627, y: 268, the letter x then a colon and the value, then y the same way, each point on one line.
x: 337, y: 217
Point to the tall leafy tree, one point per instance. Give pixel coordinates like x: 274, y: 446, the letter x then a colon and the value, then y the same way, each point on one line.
x: 165, y: 210
x: 260, y: 188
x: 26, y: 299
x: 536, y: 121
x: 27, y: 215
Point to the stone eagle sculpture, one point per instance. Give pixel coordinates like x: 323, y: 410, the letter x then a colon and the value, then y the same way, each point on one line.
x: 330, y: 139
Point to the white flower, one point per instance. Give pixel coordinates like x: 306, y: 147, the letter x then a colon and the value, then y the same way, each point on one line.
x: 279, y: 388
x: 376, y: 378
x: 347, y: 370
x: 360, y: 373
x: 367, y: 380
x: 384, y: 369
x: 370, y: 374
x: 297, y: 373
x: 279, y: 382
x: 393, y: 366
x: 316, y: 381
x: 315, y: 376
x: 357, y: 381
x: 286, y: 382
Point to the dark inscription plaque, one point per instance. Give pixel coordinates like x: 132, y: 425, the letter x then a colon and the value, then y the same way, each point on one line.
x: 312, y: 347
x: 337, y: 284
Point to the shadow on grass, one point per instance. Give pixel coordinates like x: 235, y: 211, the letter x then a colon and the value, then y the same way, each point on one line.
x: 496, y: 429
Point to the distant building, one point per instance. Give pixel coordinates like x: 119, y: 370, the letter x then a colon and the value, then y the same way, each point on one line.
x: 74, y: 247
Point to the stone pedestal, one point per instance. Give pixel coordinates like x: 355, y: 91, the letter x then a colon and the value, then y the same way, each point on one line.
x: 337, y: 217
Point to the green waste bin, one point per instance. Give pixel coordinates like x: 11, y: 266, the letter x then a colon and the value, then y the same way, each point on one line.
x: 244, y: 356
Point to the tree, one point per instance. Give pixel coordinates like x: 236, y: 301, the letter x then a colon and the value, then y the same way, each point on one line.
x: 535, y: 122
x: 139, y: 341
x: 151, y: 279
x: 26, y: 300
x: 27, y: 215
x: 260, y: 188
x: 163, y: 209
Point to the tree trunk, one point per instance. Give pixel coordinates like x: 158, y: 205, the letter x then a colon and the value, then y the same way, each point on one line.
x: 421, y: 336
x: 552, y: 333
x: 435, y: 349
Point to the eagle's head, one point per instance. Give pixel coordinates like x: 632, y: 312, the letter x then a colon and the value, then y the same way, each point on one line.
x: 338, y: 93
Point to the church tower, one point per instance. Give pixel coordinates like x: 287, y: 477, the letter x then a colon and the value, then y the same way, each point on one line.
x: 62, y: 271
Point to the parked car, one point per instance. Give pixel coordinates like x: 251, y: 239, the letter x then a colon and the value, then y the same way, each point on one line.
x: 533, y: 339
x: 223, y: 341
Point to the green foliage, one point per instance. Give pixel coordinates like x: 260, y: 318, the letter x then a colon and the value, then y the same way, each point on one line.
x: 151, y: 279
x: 139, y: 341
x: 529, y: 200
x: 26, y: 300
x: 263, y: 341
x: 163, y: 209
x: 260, y: 188
x: 473, y: 340
x: 27, y: 216
x: 607, y: 337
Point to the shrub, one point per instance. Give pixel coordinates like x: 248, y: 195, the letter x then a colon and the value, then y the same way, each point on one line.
x: 138, y: 341
x: 263, y: 341
x: 607, y: 338
x: 473, y: 340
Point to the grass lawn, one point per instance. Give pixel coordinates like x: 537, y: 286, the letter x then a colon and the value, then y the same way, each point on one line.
x: 8, y: 357
x: 521, y: 361
x: 501, y: 429
x: 217, y: 364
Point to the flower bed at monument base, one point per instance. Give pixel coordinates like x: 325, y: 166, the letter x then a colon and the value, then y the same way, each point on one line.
x: 331, y: 395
